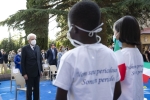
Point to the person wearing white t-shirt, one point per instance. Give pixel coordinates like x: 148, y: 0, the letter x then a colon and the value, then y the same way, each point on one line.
x: 128, y: 32
x: 84, y: 72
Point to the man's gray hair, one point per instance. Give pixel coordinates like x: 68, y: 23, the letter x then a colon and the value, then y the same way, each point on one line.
x: 2, y: 49
x: 31, y: 34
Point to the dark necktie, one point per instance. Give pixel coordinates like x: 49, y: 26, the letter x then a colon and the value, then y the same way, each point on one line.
x: 33, y: 48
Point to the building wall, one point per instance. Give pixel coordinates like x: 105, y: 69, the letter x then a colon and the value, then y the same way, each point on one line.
x: 145, y: 38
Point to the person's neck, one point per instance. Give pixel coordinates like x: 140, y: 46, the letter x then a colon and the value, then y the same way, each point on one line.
x: 89, y: 40
x: 125, y: 45
x: 32, y: 45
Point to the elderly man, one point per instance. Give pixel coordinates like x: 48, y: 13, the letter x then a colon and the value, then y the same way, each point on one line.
x: 31, y: 63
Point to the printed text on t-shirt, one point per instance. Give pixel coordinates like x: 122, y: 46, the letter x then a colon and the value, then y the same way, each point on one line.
x: 137, y: 69
x: 96, y: 73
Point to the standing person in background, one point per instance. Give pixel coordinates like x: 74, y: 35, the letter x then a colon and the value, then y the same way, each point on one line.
x: 52, y: 55
x: 63, y: 48
x: 59, y: 55
x: 67, y: 48
x: 9, y: 58
x: 31, y: 64
x: 13, y: 54
x: 17, y: 60
x: 129, y: 35
x: 5, y: 61
x: 1, y: 60
x: 146, y: 55
x: 81, y: 74
x: 43, y: 54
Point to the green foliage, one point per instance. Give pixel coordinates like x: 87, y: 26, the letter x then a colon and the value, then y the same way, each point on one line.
x: 35, y: 17
x: 58, y: 44
x: 12, y: 44
x: 111, y: 11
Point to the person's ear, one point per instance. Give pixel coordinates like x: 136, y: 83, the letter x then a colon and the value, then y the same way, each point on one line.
x: 117, y: 35
x: 74, y: 29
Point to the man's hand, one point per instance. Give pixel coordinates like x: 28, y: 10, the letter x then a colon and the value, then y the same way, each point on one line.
x: 25, y: 77
x: 19, y: 62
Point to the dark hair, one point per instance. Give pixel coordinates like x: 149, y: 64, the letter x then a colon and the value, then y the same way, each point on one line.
x: 130, y: 31
x: 86, y: 14
x: 52, y: 44
x: 117, y: 25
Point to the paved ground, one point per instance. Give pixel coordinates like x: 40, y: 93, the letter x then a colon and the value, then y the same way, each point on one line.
x: 47, y: 91
x: 4, y: 77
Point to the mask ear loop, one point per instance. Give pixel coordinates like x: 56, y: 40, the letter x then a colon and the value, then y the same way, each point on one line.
x: 96, y: 31
x: 98, y: 38
x: 91, y: 33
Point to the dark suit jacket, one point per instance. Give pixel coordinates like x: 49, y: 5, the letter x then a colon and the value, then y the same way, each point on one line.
x: 31, y: 62
x: 5, y: 58
x: 50, y: 55
x: 1, y: 58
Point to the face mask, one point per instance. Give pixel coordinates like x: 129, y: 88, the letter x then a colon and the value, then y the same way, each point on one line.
x: 114, y: 37
x: 19, y: 53
x: 91, y: 33
x: 33, y: 42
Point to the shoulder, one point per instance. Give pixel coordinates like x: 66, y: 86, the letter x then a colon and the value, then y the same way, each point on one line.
x: 84, y: 51
x: 55, y: 49
x: 48, y: 50
x: 37, y: 46
x: 25, y: 46
x: 69, y: 55
x: 105, y: 50
x: 133, y: 53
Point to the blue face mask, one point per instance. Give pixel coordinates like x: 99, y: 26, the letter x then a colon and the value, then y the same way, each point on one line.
x: 90, y: 34
x: 114, y: 37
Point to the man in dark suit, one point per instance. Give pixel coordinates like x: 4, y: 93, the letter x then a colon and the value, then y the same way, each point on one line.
x: 1, y: 60
x: 5, y: 61
x: 0, y: 64
x: 31, y: 64
x: 52, y: 55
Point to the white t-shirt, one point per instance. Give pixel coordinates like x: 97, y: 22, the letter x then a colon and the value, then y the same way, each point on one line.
x: 132, y: 85
x: 88, y: 72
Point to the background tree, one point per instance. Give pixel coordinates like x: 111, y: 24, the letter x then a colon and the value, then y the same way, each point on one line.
x: 35, y: 17
x: 111, y: 11
x: 13, y: 44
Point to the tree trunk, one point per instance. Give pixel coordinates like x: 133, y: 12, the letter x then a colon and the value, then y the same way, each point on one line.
x: 37, y: 25
x: 41, y: 33
x: 103, y: 34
